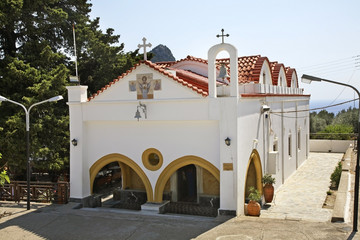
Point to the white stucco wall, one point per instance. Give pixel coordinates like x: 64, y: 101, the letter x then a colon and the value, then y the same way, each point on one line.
x: 132, y: 138
x: 324, y: 145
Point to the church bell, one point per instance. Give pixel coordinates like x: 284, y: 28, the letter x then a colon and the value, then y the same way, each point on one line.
x: 137, y: 114
x: 223, y: 72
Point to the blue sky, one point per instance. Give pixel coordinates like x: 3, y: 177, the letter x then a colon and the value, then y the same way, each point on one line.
x: 316, y: 37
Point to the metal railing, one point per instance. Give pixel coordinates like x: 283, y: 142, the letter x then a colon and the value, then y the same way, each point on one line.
x: 39, y: 192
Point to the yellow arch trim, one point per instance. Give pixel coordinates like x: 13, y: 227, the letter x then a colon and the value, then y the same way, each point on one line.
x: 255, y: 157
x: 116, y: 157
x: 179, y: 163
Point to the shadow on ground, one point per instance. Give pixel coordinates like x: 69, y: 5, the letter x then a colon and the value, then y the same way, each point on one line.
x: 63, y: 222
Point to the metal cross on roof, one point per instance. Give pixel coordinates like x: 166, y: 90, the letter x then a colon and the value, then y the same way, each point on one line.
x: 144, y: 45
x: 222, y: 35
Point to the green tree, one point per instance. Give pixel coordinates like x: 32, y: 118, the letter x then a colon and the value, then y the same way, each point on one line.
x: 48, y: 122
x: 36, y: 42
x: 337, y: 131
x: 327, y: 116
x: 316, y: 123
x: 101, y: 57
x: 348, y: 117
x: 3, y: 176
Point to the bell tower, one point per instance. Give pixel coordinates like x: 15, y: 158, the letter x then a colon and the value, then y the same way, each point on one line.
x: 212, y: 53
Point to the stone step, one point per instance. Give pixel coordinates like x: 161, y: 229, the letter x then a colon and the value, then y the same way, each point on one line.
x: 155, y: 207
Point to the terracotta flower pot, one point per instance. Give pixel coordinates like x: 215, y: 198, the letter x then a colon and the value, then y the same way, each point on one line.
x: 253, y: 208
x: 268, y: 193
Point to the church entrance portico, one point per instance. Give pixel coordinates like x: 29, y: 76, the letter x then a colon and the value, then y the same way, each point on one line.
x: 191, y: 185
x: 135, y: 185
x: 108, y: 178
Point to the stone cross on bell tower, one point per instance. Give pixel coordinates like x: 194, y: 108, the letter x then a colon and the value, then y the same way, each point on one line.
x: 222, y: 35
x: 144, y: 45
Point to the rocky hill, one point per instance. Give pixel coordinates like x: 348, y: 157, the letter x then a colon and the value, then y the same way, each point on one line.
x: 162, y: 54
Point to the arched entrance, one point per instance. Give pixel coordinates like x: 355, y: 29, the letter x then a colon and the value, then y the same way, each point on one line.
x: 108, y: 178
x: 187, y: 184
x: 129, y: 169
x: 192, y: 186
x: 253, y: 173
x: 178, y: 164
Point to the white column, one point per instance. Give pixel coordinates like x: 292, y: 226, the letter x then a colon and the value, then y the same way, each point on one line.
x: 77, y: 96
x: 228, y: 154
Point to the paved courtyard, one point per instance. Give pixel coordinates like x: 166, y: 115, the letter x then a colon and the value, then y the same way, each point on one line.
x: 296, y: 214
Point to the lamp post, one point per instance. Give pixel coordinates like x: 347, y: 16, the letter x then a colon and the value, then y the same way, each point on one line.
x: 308, y: 79
x: 27, y: 115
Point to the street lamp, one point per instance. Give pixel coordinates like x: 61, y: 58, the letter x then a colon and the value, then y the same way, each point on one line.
x: 27, y: 115
x: 308, y: 79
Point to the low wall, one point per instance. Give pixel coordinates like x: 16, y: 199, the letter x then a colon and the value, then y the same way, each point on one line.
x: 336, y: 146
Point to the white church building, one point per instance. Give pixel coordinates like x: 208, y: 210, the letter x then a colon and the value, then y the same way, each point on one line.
x: 192, y: 130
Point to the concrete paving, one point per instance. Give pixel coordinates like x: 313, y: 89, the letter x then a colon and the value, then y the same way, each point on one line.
x: 302, y: 195
x: 288, y: 218
x: 63, y: 222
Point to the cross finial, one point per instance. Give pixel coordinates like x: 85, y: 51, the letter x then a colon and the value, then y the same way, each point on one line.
x: 144, y: 45
x: 222, y: 35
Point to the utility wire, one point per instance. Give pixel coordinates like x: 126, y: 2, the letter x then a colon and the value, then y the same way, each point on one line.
x: 343, y: 87
x: 288, y: 116
x: 324, y: 71
x: 339, y: 65
x: 312, y: 109
x: 343, y: 60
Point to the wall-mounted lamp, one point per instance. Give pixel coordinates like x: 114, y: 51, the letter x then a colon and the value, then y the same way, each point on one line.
x: 74, y: 142
x: 227, y: 141
x: 143, y: 107
x: 265, y: 108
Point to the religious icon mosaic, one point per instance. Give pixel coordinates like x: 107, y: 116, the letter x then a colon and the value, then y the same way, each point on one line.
x: 145, y: 86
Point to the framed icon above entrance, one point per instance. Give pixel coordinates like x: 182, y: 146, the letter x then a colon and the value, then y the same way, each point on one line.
x: 152, y: 159
x: 145, y: 86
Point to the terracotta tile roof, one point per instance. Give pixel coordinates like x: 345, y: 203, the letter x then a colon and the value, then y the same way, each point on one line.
x: 164, y: 64
x: 195, y: 79
x: 275, y: 69
x: 188, y: 58
x: 190, y: 84
x: 289, y: 73
x: 249, y: 68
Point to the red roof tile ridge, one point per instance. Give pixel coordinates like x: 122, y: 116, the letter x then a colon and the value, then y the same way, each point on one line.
x: 192, y: 58
x: 289, y: 73
x: 275, y: 68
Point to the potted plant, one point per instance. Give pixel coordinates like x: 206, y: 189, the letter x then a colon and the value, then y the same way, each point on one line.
x: 268, y: 188
x: 253, y: 207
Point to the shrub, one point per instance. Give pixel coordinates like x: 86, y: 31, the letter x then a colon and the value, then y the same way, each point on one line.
x: 254, y: 194
x: 268, y: 179
x: 335, y: 176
